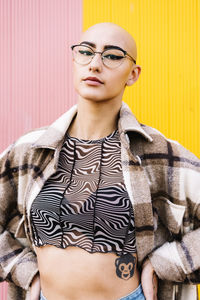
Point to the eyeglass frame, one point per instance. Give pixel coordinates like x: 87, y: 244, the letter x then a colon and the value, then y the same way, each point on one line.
x: 97, y: 52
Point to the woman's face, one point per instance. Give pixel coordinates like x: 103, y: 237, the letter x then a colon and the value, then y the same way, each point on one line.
x: 112, y: 81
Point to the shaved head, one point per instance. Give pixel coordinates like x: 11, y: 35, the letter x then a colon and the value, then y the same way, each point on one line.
x: 110, y: 82
x: 110, y: 33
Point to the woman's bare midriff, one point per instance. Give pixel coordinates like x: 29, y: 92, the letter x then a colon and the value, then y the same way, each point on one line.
x: 75, y: 274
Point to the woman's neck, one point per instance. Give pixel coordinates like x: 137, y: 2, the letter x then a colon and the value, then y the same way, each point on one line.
x: 94, y: 120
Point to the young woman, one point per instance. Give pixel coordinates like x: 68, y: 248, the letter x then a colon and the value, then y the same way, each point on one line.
x: 93, y: 253
x: 96, y: 204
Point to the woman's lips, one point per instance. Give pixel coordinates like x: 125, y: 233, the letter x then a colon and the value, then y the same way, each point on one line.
x: 93, y: 81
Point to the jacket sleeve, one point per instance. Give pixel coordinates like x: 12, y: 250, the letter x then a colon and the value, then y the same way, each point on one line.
x: 18, y: 262
x: 179, y: 260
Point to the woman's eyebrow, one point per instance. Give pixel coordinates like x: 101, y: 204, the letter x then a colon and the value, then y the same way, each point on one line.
x: 89, y: 44
x: 113, y: 47
x: 106, y: 47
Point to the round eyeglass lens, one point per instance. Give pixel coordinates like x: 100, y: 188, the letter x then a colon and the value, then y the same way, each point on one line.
x: 113, y: 58
x: 82, y: 54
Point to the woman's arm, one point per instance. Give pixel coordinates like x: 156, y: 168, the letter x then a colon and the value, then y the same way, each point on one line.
x: 149, y: 281
x: 35, y: 287
x: 18, y: 264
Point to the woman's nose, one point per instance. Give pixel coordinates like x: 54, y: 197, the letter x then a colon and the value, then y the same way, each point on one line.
x: 96, y: 63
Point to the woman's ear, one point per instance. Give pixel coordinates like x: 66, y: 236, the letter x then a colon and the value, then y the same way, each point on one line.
x: 134, y: 75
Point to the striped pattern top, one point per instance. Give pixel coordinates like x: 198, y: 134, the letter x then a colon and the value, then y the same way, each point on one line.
x: 85, y: 203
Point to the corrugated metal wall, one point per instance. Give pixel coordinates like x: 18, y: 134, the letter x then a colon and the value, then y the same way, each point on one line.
x: 35, y: 59
x: 35, y: 70
x: 35, y: 65
x: 167, y: 32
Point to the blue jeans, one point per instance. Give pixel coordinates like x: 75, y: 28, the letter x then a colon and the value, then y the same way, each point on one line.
x: 42, y: 296
x: 137, y: 294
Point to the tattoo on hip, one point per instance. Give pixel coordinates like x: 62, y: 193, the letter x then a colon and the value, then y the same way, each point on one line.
x: 125, y: 266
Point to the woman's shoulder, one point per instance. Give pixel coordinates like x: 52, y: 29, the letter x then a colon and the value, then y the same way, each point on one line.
x: 23, y: 143
x: 31, y: 136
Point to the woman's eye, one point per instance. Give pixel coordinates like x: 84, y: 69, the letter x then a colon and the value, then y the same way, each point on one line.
x: 84, y: 52
x: 113, y: 57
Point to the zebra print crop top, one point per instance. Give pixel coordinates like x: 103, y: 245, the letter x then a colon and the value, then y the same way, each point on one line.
x: 85, y: 203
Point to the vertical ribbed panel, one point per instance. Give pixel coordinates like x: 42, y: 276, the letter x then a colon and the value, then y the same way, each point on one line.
x: 3, y: 291
x: 167, y: 95
x: 35, y: 62
x: 35, y: 65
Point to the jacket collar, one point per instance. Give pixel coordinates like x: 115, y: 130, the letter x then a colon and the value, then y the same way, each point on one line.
x: 128, y: 123
x: 55, y: 133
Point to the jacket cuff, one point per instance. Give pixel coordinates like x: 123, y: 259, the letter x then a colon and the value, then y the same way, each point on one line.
x: 167, y: 263
x: 25, y: 269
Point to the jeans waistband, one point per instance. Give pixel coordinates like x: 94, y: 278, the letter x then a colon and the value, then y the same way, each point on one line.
x: 137, y: 294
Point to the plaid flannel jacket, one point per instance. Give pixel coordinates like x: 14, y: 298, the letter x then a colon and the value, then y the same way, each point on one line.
x: 163, y: 182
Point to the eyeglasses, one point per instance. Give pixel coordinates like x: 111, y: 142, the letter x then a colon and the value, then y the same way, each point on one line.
x: 112, y: 58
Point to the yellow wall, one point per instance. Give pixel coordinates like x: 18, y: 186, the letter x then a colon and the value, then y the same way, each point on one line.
x: 167, y: 32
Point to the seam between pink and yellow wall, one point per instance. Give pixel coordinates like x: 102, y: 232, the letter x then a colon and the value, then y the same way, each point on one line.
x: 167, y: 95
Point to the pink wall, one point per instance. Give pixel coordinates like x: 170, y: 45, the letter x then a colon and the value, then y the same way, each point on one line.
x: 35, y: 60
x: 35, y: 65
